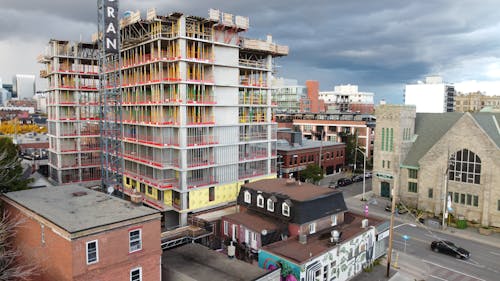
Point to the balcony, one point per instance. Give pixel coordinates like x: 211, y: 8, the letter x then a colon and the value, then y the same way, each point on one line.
x: 156, y: 182
x: 199, y: 182
x: 202, y: 140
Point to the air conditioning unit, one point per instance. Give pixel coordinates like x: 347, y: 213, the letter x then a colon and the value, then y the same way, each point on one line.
x: 335, y: 236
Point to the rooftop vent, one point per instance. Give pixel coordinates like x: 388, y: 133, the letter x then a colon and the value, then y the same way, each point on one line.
x: 79, y: 193
x: 364, y: 223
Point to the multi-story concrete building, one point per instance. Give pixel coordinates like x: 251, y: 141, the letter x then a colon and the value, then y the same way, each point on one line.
x: 73, y: 233
x: 474, y: 102
x: 73, y: 111
x: 288, y: 95
x: 196, y: 107
x: 347, y: 98
x: 23, y: 86
x: 431, y: 96
x: 432, y: 158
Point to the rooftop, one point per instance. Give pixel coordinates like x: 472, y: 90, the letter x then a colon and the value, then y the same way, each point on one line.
x: 319, y: 243
x: 284, y: 145
x: 75, y: 208
x: 255, y: 221
x: 196, y: 262
x: 294, y: 190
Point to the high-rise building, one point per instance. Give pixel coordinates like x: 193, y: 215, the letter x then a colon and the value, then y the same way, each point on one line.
x: 23, y: 86
x: 288, y: 95
x: 431, y: 96
x: 73, y: 111
x: 196, y: 105
x: 347, y: 98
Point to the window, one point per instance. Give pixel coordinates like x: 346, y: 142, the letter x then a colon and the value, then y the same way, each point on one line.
x: 127, y: 181
x: 430, y: 193
x: 135, y: 243
x: 498, y: 205
x: 248, y: 197
x: 211, y: 194
x: 92, y: 253
x: 465, y: 166
x: 412, y: 173
x: 475, y: 201
x: 150, y: 190
x: 334, y: 220
x: 388, y: 164
x: 136, y: 274
x: 312, y: 228
x: 412, y: 187
x: 383, y: 163
x: 391, y: 142
x: 469, y: 199
x: 260, y: 201
x: 226, y: 228
x: 285, y: 209
x: 383, y: 139
x: 270, y: 205
x: 455, y: 197
x: 462, y: 198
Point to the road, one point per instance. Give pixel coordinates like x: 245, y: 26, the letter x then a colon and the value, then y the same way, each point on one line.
x: 419, y: 261
x: 484, y: 263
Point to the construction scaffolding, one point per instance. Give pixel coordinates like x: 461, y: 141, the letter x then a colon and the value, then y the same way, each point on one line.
x: 110, y: 109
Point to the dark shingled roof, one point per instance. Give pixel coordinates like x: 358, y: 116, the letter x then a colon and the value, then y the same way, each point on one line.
x: 295, y: 191
x: 430, y: 127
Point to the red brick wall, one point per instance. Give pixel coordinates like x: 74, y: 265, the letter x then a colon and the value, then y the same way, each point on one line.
x: 313, y: 94
x: 115, y: 261
x: 52, y: 257
x: 60, y: 259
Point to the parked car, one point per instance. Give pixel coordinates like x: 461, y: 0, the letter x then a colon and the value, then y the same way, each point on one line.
x: 357, y: 178
x: 333, y: 185
x: 447, y: 247
x: 344, y: 182
x: 368, y: 175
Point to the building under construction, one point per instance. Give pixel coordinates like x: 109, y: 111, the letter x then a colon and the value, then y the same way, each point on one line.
x: 196, y: 110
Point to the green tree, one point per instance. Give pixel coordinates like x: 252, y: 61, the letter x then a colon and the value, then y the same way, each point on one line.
x: 312, y: 173
x: 11, y: 171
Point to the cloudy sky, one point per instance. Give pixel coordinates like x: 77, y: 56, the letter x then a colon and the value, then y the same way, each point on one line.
x: 379, y: 45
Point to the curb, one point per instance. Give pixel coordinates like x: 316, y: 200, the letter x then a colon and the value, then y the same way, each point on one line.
x: 450, y: 231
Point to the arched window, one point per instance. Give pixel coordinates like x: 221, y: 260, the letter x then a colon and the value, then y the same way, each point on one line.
x: 248, y: 197
x: 464, y: 166
x: 270, y: 204
x: 285, y: 209
x: 260, y: 201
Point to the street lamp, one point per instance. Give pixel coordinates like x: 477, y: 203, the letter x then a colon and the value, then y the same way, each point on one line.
x: 364, y: 173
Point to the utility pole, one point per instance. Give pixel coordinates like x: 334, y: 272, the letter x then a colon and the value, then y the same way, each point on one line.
x: 395, y: 191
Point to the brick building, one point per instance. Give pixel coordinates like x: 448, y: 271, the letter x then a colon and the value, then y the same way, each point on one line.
x: 296, y: 153
x: 426, y: 157
x: 74, y: 233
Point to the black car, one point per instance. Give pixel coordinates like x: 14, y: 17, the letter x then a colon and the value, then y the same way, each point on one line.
x: 344, y: 182
x: 447, y: 247
x: 357, y: 178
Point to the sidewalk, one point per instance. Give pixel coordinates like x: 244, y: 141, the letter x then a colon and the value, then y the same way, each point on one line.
x: 376, y: 207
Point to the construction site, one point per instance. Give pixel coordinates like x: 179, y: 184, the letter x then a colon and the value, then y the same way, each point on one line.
x: 196, y: 110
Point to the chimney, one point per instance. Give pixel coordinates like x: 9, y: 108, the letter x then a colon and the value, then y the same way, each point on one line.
x: 136, y: 198
x: 302, y: 239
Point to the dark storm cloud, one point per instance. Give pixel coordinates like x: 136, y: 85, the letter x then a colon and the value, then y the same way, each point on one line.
x: 379, y: 44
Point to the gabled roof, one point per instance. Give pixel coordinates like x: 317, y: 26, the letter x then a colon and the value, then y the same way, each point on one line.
x: 429, y: 128
x: 490, y: 122
x: 255, y: 221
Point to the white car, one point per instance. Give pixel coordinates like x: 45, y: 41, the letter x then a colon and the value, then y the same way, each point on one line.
x: 368, y: 175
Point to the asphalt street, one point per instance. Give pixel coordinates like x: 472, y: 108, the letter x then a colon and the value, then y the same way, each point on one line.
x: 416, y: 258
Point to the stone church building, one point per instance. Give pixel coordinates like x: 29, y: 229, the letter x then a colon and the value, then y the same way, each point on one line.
x: 439, y: 161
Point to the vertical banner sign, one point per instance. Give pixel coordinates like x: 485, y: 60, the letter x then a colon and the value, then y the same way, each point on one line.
x: 111, y: 27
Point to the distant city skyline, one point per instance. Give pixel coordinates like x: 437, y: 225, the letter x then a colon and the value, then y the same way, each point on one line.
x: 378, y: 45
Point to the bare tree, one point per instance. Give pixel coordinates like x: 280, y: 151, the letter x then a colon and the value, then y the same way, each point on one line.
x: 10, y: 266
